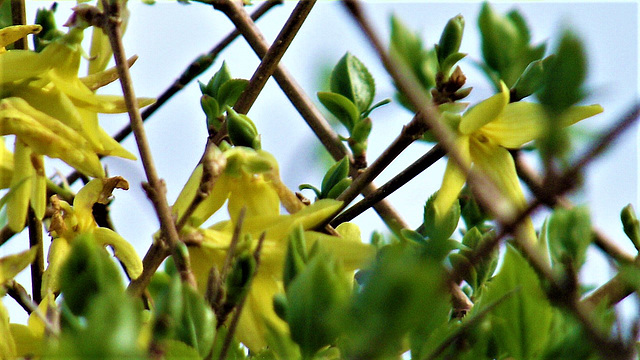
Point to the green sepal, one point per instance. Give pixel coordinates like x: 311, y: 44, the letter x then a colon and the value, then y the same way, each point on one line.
x: 351, y: 79
x: 242, y: 131
x: 631, y: 225
x: 450, y: 39
x: 440, y: 227
x: 334, y: 175
x: 341, y: 107
x: 230, y: 92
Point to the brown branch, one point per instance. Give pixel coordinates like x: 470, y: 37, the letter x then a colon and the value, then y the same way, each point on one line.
x: 156, y: 190
x: 303, y: 104
x: 6, y: 234
x: 37, y: 266
x: 19, y: 17
x: 418, y: 166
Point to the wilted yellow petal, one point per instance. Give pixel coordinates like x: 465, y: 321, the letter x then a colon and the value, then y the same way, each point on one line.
x: 496, y: 163
x: 122, y: 249
x: 95, y: 191
x: 485, y: 112
x: 12, y: 265
x: 11, y: 34
x: 453, y: 180
x: 20, y: 187
x: 522, y: 122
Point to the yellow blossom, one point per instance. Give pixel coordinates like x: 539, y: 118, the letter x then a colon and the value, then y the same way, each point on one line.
x: 68, y: 222
x: 248, y: 182
x: 53, y: 113
x: 483, y: 135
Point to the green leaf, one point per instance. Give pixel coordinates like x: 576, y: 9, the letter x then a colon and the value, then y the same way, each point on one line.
x: 222, y: 76
x: 443, y: 228
x: 230, y: 92
x: 351, y: 79
x: 339, y: 188
x: 569, y: 234
x: 310, y: 187
x: 341, y: 107
x: 197, y: 328
x: 522, y: 322
x: 334, y: 175
x: 407, y: 47
x: 177, y: 350
x: 401, y: 285
x: 296, y: 258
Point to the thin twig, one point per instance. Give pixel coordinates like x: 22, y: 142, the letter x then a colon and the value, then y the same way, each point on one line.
x: 417, y: 167
x: 37, y: 266
x: 303, y: 104
x: 19, y: 17
x: 534, y: 182
x: 6, y: 234
x: 156, y: 188
x: 236, y: 317
x: 410, y: 133
x: 193, y: 70
x: 19, y: 294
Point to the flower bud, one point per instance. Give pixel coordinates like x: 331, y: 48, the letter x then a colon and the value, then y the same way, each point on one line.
x: 631, y: 225
x: 242, y: 131
x: 440, y: 226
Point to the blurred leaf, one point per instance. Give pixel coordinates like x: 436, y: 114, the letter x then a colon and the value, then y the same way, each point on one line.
x: 521, y: 323
x: 351, y: 79
x: 631, y: 225
x: 177, y: 350
x: 562, y: 84
x: 569, y: 234
x: 197, y: 327
x: 450, y: 39
x: 440, y: 227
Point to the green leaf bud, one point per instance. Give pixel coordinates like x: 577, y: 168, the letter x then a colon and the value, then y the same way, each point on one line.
x: 631, y: 225
x: 339, y: 188
x: 197, y: 327
x: 230, y: 92
x: 222, y: 76
x: 242, y: 131
x: 440, y: 226
x: 212, y: 111
x: 451, y: 38
x: 88, y: 273
x: 296, y: 258
x: 239, y: 279
x: 334, y: 175
x: 530, y: 81
x: 351, y: 79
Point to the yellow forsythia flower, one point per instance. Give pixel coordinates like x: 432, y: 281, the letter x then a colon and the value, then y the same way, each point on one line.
x: 248, y: 181
x: 69, y: 222
x: 52, y: 113
x: 483, y: 136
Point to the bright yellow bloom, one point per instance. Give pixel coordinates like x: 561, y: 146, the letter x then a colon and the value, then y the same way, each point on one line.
x: 483, y: 135
x: 52, y: 113
x: 68, y: 222
x: 248, y: 182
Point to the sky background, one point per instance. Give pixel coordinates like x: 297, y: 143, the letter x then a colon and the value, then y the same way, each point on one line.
x: 168, y: 36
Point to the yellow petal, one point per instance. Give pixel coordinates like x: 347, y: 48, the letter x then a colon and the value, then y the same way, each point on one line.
x: 7, y: 345
x: 496, y: 162
x: 35, y: 324
x: 6, y: 165
x: 522, y: 122
x: 95, y: 191
x: 348, y: 249
x: 485, y: 112
x: 453, y: 180
x: 12, y: 265
x: 122, y: 249
x: 38, y: 187
x: 27, y: 344
x: 58, y: 253
x: 20, y: 187
x: 258, y: 309
x: 111, y: 147
x: 11, y: 34
x: 253, y: 193
x: 99, y: 79
x: 21, y: 64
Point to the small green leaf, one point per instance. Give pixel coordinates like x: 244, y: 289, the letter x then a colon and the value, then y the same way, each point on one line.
x: 407, y: 47
x: 521, y: 323
x: 342, y: 108
x: 296, y: 258
x: 440, y: 227
x: 569, y: 234
x: 339, y: 188
x: 310, y: 187
x: 197, y: 327
x: 351, y: 79
x: 447, y: 64
x: 631, y: 225
x: 562, y: 83
x: 230, y: 92
x: 334, y: 175
x: 222, y: 76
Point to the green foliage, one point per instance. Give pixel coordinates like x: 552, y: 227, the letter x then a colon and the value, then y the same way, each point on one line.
x: 49, y: 32
x: 242, y: 131
x: 531, y: 79
x: 483, y: 270
x: 351, y: 79
x: 334, y: 182
x: 521, y: 323
x: 439, y: 227
x: 221, y: 91
x: 569, y: 234
x: 506, y: 47
x: 631, y: 225
x: 392, y: 303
